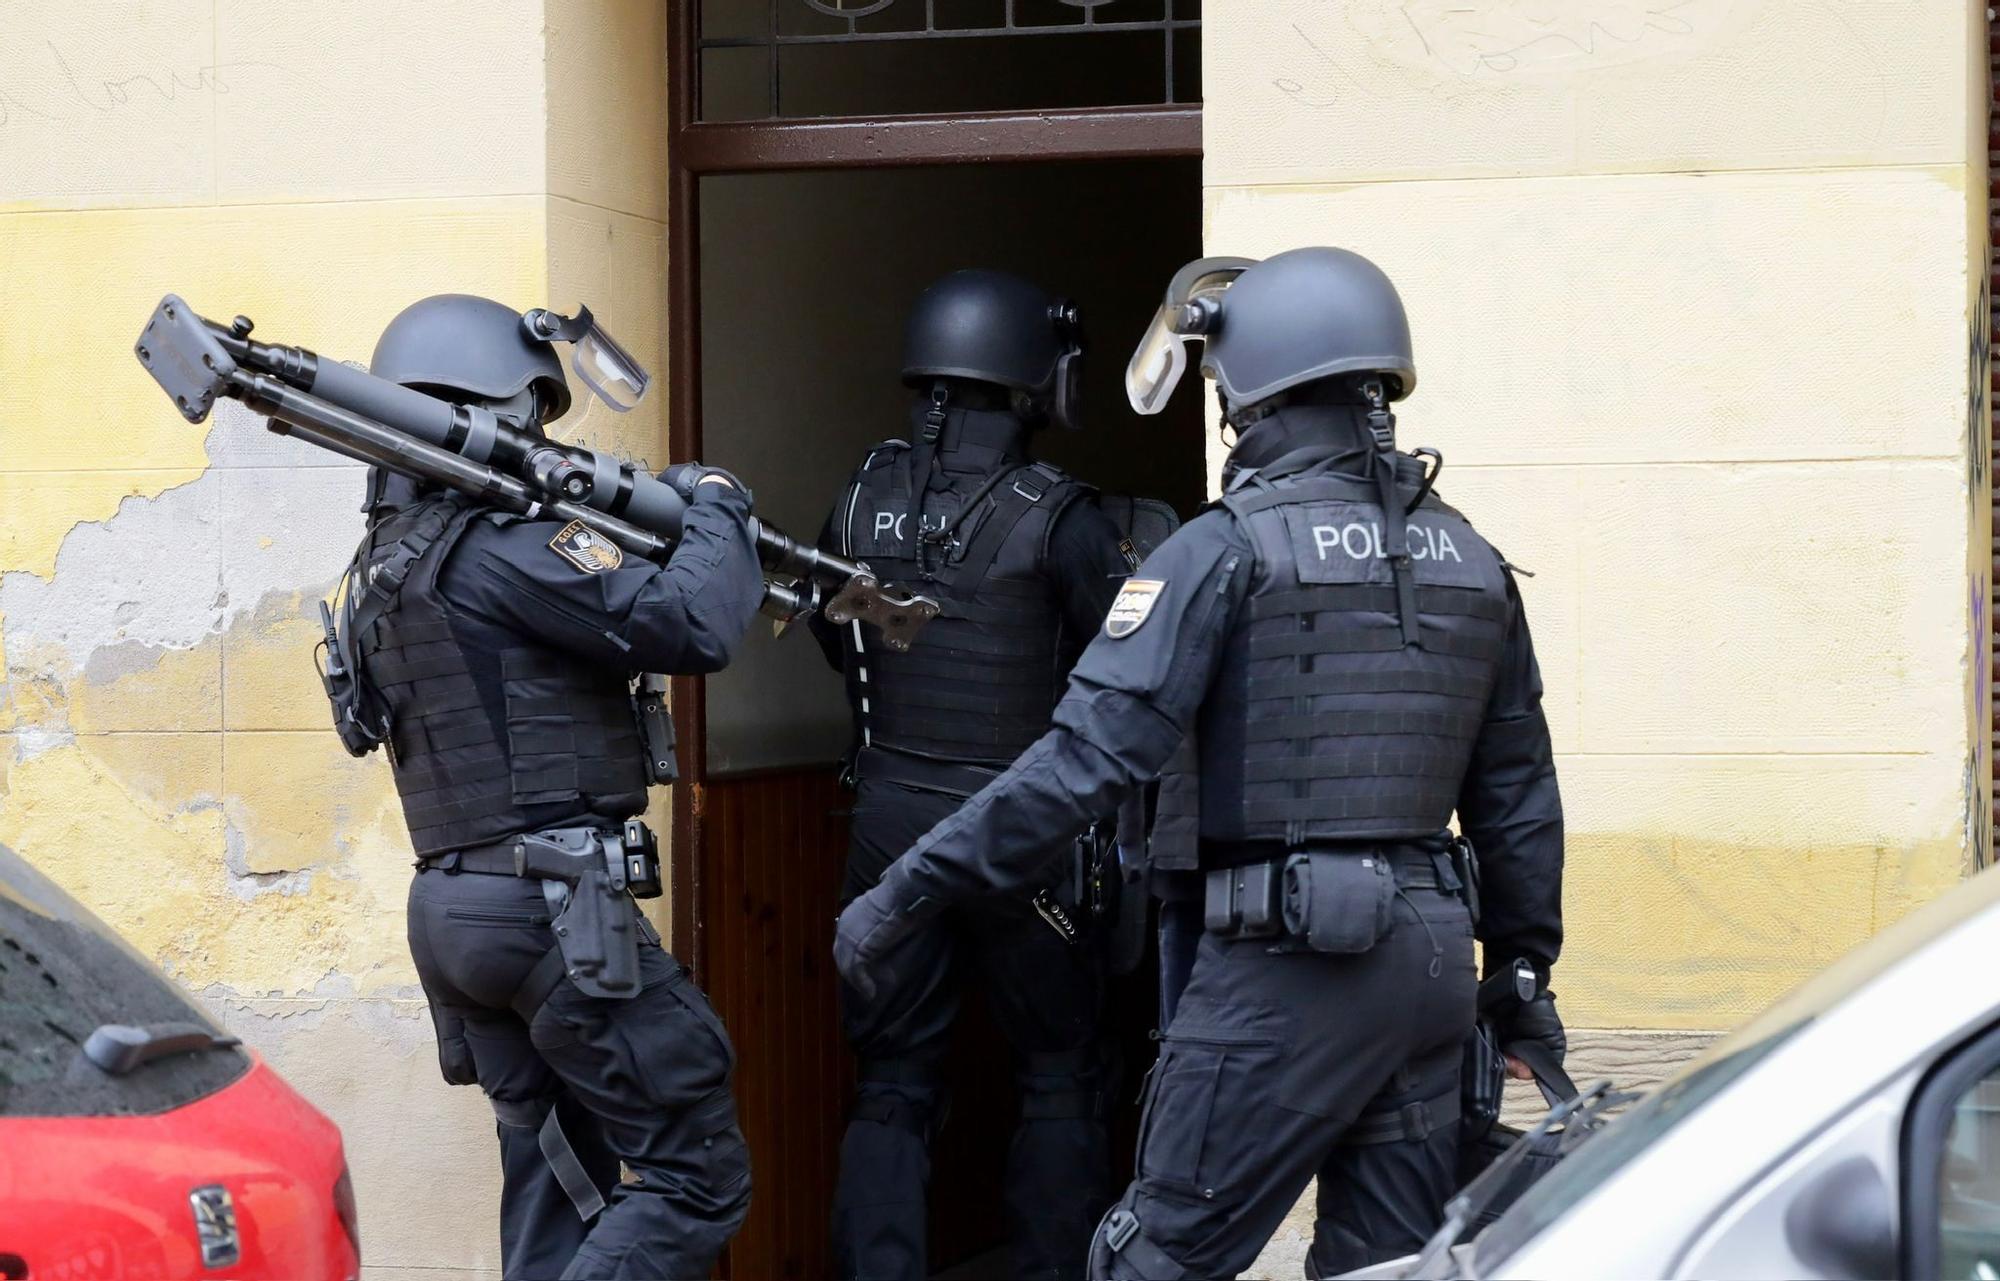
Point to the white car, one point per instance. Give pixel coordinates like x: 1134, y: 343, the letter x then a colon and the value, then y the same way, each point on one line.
x: 1852, y: 1130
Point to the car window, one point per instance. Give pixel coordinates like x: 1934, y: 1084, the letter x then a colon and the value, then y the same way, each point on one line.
x: 63, y: 974
x: 1951, y: 1165
x: 1969, y: 1183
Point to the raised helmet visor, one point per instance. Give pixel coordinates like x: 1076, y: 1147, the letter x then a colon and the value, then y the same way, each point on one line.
x: 1161, y: 357
x: 611, y: 372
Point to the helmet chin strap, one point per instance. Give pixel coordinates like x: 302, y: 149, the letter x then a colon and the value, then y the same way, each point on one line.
x: 522, y: 410
x: 1381, y: 422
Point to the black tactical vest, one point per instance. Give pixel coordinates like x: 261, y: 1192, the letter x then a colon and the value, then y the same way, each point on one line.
x: 1323, y: 723
x: 981, y: 684
x: 490, y: 735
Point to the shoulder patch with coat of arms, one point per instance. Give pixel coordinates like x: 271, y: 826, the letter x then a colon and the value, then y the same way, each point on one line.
x: 1132, y: 606
x: 590, y: 552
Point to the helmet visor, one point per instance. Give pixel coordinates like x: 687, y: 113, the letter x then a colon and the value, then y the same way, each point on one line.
x: 610, y: 372
x: 1157, y: 365
x: 1161, y: 357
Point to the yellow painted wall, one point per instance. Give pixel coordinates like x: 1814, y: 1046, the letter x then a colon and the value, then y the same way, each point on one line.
x: 164, y: 751
x: 1693, y: 290
x: 1693, y: 287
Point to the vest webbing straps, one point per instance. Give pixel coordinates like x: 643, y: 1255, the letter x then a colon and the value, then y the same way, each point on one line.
x: 1396, y: 534
x: 981, y: 687
x: 1326, y: 721
x: 1026, y: 486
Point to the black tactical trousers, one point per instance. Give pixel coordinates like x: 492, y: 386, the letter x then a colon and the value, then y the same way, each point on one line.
x: 1268, y: 1064
x: 644, y: 1081
x: 1047, y: 997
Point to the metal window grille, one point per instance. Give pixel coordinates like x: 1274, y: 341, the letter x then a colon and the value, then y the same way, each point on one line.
x: 797, y: 23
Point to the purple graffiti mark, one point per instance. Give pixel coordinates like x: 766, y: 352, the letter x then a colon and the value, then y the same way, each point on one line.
x: 1979, y: 798
x: 1982, y: 685
x: 1979, y: 377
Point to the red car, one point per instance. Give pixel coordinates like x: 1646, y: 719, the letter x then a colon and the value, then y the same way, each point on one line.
x: 137, y: 1139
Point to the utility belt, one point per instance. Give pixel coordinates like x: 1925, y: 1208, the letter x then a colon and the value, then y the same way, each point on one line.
x: 925, y: 773
x: 1338, y: 900
x: 590, y: 877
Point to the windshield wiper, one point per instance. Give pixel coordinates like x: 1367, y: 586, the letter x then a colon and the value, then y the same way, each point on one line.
x: 1579, y: 1116
x: 119, y: 1048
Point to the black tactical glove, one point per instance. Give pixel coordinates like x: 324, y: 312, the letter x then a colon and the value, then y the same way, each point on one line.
x: 872, y: 926
x: 1535, y: 1031
x: 689, y: 480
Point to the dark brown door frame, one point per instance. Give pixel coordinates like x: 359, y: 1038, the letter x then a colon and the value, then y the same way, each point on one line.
x: 696, y: 149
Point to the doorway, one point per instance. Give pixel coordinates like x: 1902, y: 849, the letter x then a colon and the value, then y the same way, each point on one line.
x: 799, y: 242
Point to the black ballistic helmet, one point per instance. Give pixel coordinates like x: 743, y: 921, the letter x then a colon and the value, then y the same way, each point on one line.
x: 1267, y: 327
x: 1304, y: 315
x: 993, y: 327
x: 463, y: 346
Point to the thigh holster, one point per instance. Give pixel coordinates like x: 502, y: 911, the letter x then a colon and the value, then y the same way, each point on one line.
x: 1415, y: 1110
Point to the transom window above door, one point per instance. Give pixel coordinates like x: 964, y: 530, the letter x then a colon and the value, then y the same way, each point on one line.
x: 801, y: 59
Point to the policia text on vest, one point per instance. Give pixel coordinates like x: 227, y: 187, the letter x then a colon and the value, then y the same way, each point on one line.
x: 1358, y: 541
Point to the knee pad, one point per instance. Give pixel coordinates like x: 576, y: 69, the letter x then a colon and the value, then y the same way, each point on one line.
x: 1121, y: 1251
x: 1068, y: 1085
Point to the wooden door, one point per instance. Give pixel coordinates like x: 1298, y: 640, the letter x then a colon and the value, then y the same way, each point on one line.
x: 756, y: 858
x: 772, y: 848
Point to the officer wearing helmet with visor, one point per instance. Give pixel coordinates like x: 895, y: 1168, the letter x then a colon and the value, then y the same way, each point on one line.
x: 1321, y: 669
x: 496, y: 653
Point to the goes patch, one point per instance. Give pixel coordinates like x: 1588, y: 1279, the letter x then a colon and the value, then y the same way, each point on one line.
x: 589, y: 552
x: 1132, y: 607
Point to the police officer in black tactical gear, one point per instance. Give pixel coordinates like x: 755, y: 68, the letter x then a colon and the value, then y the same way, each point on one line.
x: 496, y: 654
x: 1024, y: 565
x: 1324, y: 665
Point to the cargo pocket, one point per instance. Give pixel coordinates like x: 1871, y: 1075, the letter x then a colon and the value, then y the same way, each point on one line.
x: 724, y: 1155
x: 454, y: 1053
x: 1180, y: 1113
x: 696, y: 1003
x: 541, y: 727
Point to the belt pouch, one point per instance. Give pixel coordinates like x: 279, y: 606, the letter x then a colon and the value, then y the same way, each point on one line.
x: 1338, y: 903
x: 1242, y: 902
